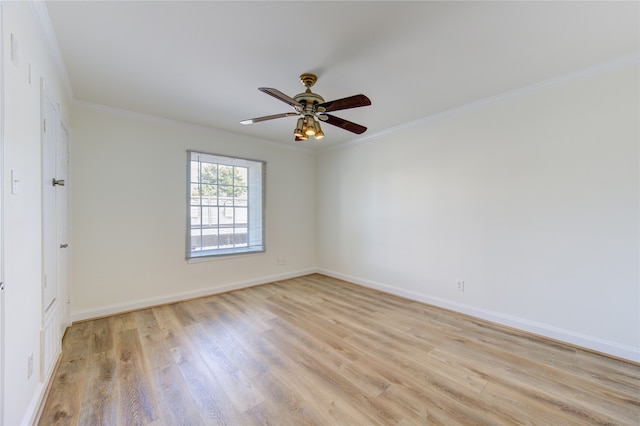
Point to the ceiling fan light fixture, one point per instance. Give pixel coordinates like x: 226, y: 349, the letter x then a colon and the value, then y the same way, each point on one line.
x: 311, y: 127
x: 319, y: 132
x: 299, y: 130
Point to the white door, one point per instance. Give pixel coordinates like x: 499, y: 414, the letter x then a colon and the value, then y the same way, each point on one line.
x: 62, y: 212
x: 49, y: 234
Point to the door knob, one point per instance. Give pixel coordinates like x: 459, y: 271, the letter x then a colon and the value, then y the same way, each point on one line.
x: 59, y: 182
x: 64, y: 245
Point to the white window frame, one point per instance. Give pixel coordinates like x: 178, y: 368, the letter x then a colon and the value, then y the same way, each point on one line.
x: 255, y: 203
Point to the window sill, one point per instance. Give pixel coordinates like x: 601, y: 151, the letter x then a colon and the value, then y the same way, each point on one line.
x: 224, y: 256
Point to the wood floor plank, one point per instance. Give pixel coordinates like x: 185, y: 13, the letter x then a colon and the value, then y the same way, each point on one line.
x: 283, y: 404
x: 244, y: 307
x: 244, y: 355
x: 207, y: 394
x: 63, y: 405
x: 138, y: 405
x: 316, y: 350
x: 123, y: 322
x: 153, y: 340
x: 244, y: 396
x: 101, y: 336
x: 529, y: 411
x: 99, y: 405
x: 175, y: 406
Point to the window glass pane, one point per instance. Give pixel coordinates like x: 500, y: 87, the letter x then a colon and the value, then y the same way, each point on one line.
x: 240, y: 237
x: 226, y: 215
x: 195, y: 192
x: 209, y: 194
x: 195, y: 172
x: 196, y: 243
x: 209, y: 239
x: 226, y: 237
x: 209, y: 173
x: 241, y: 176
x: 209, y: 217
x: 195, y: 217
x: 225, y: 174
x: 240, y: 215
x: 226, y: 191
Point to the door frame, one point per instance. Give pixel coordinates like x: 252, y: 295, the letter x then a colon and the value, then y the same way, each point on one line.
x: 63, y: 223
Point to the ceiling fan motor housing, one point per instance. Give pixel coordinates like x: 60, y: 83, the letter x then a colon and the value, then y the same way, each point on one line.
x: 309, y: 100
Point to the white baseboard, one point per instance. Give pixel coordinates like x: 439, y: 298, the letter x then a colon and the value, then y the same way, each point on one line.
x: 36, y: 402
x: 588, y: 342
x: 119, y: 308
x: 32, y: 411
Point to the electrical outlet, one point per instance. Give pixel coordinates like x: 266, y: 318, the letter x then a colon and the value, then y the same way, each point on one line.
x: 282, y: 261
x: 460, y: 285
x: 29, y: 366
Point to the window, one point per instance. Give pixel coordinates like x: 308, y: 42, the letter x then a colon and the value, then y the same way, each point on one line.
x: 226, y: 205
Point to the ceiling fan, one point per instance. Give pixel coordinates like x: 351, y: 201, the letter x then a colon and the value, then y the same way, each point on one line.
x: 312, y: 109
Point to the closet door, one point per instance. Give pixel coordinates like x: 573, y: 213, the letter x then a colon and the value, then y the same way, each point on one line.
x: 50, y: 334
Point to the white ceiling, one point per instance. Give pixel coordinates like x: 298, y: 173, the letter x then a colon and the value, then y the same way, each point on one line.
x: 202, y: 62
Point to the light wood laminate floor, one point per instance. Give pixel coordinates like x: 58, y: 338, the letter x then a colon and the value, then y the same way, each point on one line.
x: 318, y: 351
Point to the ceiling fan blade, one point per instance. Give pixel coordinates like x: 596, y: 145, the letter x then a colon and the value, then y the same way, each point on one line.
x: 268, y: 117
x: 279, y: 95
x: 354, y: 101
x: 345, y: 124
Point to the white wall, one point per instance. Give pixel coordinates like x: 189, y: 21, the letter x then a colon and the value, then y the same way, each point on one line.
x: 128, y: 177
x: 22, y: 211
x: 532, y: 201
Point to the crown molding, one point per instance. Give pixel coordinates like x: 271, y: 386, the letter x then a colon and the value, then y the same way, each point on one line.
x: 48, y: 36
x: 561, y: 80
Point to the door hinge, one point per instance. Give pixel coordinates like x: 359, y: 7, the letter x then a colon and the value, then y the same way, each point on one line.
x: 44, y: 125
x: 1, y: 286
